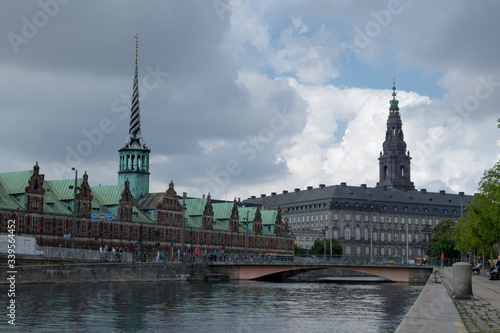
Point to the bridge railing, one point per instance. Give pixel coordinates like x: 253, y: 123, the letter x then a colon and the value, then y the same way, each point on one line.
x: 313, y: 259
x: 69, y: 254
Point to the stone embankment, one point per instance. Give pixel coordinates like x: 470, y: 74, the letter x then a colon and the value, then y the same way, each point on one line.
x: 109, y: 272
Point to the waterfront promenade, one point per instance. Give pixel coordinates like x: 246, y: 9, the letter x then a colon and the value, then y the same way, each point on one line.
x: 436, y: 311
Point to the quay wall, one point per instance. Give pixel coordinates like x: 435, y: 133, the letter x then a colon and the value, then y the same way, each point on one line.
x: 107, y: 272
x: 111, y: 272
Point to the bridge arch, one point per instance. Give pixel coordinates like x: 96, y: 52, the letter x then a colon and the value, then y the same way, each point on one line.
x: 279, y: 272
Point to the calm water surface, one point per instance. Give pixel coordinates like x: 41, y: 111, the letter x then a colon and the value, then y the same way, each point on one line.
x: 174, y: 306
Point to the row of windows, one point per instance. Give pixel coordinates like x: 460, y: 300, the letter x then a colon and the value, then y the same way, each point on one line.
x: 388, y: 236
x: 358, y: 250
x: 366, y: 218
x: 305, y: 207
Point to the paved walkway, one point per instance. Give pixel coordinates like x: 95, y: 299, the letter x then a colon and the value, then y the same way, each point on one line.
x: 433, y: 311
x: 481, y: 313
x: 436, y: 311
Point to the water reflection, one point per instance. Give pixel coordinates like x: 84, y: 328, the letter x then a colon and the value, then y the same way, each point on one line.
x: 174, y: 306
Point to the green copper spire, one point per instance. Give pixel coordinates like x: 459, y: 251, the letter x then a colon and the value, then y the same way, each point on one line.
x: 394, y: 102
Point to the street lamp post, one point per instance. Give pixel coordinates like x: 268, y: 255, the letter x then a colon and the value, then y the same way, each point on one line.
x: 73, y: 219
x: 331, y: 247
x: 246, y: 237
x: 407, y: 248
x: 183, y: 223
x: 371, y: 246
x: 324, y: 242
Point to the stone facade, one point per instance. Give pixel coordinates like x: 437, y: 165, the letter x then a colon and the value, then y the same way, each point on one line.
x: 389, y: 220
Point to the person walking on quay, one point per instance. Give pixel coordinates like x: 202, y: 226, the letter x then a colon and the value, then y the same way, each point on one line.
x: 494, y: 270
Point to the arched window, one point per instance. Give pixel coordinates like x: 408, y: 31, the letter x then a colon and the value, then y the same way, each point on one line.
x: 365, y: 234
x: 385, y: 172
x: 35, y: 184
x: 357, y: 233
x: 347, y: 233
x: 402, y: 171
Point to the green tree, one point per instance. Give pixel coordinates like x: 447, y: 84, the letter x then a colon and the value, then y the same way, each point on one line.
x: 480, y: 228
x: 297, y: 250
x: 443, y: 235
x: 318, y: 248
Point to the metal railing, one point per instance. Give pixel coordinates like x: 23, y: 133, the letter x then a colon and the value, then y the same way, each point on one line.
x: 68, y: 254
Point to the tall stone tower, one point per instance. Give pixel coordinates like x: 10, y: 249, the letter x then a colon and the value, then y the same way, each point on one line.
x: 134, y: 156
x: 395, y: 160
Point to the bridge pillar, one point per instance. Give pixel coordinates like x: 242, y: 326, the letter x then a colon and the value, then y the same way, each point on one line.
x: 462, y: 280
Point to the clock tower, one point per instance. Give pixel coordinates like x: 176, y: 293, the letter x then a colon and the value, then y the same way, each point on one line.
x: 394, y: 161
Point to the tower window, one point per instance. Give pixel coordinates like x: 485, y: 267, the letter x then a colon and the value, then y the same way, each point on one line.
x: 402, y: 169
x: 385, y: 172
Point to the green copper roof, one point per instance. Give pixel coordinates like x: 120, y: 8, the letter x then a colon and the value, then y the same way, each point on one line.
x: 394, y: 101
x: 222, y: 211
x: 195, y: 206
x: 108, y: 195
x: 8, y: 202
x: 15, y: 182
x: 61, y: 187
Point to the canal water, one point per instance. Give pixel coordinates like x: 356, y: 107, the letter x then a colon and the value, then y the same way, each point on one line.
x: 178, y: 306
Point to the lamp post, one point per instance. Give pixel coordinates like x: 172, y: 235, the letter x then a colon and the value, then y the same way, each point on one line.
x: 371, y: 245
x: 407, y: 248
x: 73, y: 219
x: 442, y: 256
x: 331, y: 247
x: 246, y: 236
x: 324, y: 242
x: 183, y: 223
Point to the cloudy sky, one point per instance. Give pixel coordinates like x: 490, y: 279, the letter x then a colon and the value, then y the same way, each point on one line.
x: 240, y: 98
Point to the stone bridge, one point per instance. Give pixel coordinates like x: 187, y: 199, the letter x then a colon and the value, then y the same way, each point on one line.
x: 280, y: 272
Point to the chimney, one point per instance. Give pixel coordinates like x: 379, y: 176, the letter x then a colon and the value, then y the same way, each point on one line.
x: 203, y: 196
x: 273, y: 194
x: 443, y: 192
x: 252, y: 197
x: 461, y: 194
x: 321, y: 185
x: 285, y: 191
x: 262, y: 195
x: 363, y: 185
x: 309, y: 188
x: 423, y: 190
x: 343, y: 184
x: 297, y: 190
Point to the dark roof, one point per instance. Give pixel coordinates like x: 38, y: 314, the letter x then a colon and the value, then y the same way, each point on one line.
x: 361, y: 193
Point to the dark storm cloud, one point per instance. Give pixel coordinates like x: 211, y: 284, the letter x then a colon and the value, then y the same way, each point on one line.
x: 73, y: 77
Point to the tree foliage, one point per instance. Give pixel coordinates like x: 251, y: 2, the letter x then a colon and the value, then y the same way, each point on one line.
x: 480, y: 227
x: 318, y: 248
x: 443, y: 238
x: 298, y: 250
